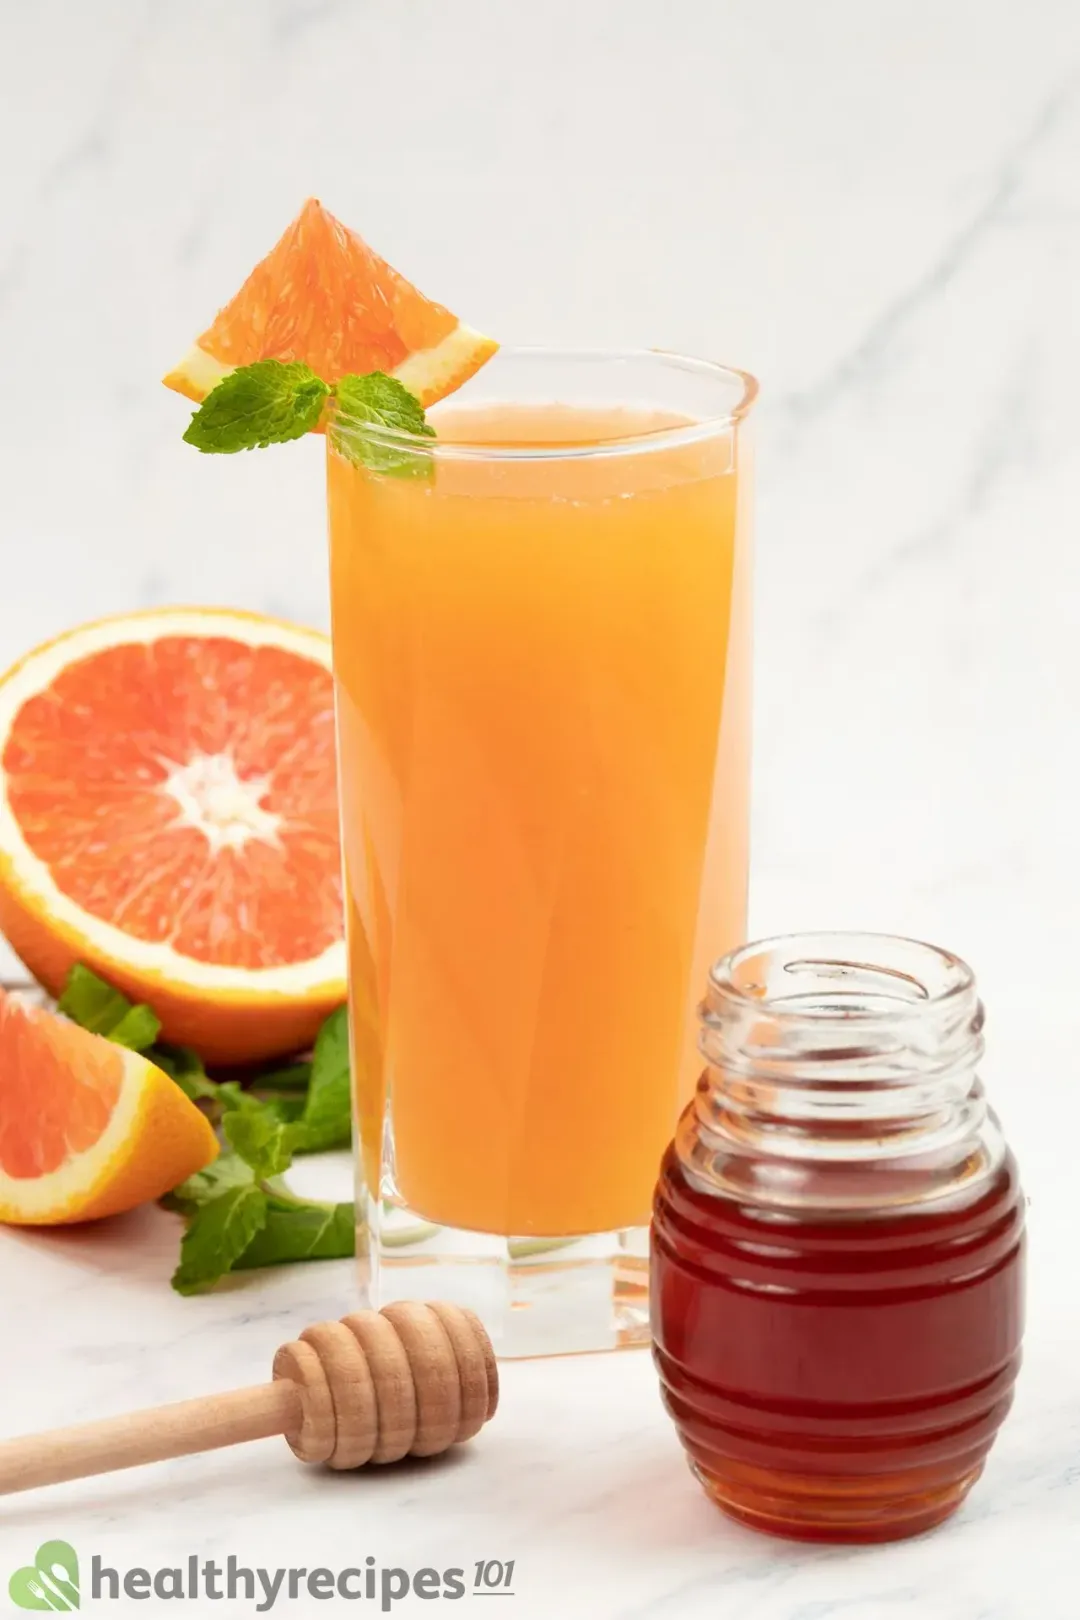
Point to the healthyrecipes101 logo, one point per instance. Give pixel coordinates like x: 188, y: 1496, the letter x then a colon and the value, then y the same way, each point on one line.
x: 52, y: 1582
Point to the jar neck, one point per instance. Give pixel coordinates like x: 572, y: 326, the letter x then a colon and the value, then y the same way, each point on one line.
x: 841, y: 1074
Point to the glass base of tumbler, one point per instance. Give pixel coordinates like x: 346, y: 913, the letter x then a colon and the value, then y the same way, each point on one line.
x: 535, y: 1296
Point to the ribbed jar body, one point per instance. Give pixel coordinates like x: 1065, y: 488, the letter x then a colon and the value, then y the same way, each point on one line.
x: 837, y: 1242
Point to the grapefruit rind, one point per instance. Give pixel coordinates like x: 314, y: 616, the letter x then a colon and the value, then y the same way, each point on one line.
x: 155, y: 1138
x: 433, y: 373
x: 197, y: 375
x: 229, y: 1013
x: 429, y: 374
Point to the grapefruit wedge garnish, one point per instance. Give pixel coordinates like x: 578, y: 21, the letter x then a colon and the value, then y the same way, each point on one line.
x: 168, y: 816
x: 324, y: 297
x: 87, y: 1128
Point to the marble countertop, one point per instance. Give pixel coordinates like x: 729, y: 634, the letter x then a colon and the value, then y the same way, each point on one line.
x: 579, y: 1480
x: 876, y: 209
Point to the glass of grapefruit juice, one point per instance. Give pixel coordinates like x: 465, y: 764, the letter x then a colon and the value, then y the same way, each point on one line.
x: 542, y: 643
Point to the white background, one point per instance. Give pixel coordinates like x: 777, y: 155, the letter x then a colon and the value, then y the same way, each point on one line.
x: 875, y: 207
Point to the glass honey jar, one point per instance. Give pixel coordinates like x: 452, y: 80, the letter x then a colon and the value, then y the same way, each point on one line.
x: 838, y: 1242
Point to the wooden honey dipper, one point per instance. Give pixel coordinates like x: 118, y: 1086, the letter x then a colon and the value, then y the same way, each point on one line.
x: 409, y: 1380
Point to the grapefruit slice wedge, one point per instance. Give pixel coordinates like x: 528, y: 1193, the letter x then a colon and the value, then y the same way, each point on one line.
x: 323, y: 296
x: 87, y: 1128
x: 168, y: 815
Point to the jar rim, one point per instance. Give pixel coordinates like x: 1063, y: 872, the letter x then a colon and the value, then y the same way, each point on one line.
x: 919, y: 978
x: 844, y: 1051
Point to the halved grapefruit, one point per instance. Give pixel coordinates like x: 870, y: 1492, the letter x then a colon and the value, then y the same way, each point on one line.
x: 324, y: 297
x: 168, y: 815
x: 87, y: 1128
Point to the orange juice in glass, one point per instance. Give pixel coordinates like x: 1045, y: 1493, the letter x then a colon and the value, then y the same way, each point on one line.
x: 542, y: 650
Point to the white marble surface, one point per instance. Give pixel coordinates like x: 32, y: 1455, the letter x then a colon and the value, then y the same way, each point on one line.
x: 876, y: 208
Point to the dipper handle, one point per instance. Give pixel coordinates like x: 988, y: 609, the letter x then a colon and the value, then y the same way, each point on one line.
x: 143, y: 1437
x: 375, y: 1387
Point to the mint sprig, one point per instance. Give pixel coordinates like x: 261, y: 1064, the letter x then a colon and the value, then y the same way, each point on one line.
x: 241, y: 1218
x: 272, y: 401
x: 268, y: 402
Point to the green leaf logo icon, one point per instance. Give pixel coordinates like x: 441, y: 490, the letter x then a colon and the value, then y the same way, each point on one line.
x: 51, y: 1582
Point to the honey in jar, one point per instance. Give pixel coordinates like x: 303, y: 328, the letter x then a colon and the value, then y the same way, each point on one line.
x: 838, y: 1242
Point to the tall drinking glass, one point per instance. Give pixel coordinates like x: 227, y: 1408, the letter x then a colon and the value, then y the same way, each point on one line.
x: 542, y: 644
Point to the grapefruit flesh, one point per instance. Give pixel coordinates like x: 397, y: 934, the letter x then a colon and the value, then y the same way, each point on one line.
x: 87, y: 1128
x: 323, y: 296
x: 168, y: 815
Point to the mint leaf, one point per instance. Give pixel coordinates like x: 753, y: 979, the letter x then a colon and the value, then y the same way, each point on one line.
x: 294, y: 1077
x: 218, y: 1235
x: 185, y: 1066
x: 301, y: 1231
x: 327, y: 1118
x: 94, y: 1005
x: 381, y: 401
x: 289, y: 1108
x: 262, y: 1141
x: 230, y: 1097
x: 268, y: 402
x: 367, y: 408
x: 226, y: 1172
x: 137, y: 1029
